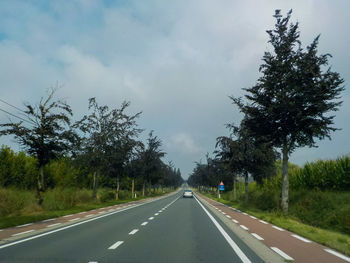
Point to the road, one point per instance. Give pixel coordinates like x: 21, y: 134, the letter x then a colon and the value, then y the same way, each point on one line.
x: 170, y: 229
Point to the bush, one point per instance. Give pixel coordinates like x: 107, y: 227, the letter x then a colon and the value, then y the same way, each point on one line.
x: 105, y: 195
x: 13, y: 201
x: 59, y: 198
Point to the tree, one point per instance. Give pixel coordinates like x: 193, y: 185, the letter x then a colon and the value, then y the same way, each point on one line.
x: 109, y: 140
x: 47, y: 134
x: 291, y: 103
x: 246, y: 154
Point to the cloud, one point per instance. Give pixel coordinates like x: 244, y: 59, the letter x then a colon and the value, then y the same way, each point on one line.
x: 183, y: 143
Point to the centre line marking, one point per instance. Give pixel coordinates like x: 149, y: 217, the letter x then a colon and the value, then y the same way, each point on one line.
x: 133, y: 232
x: 25, y: 232
x: 144, y: 223
x: 229, y: 240
x: 117, y: 244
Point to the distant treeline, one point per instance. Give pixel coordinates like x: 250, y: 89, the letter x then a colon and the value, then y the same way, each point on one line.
x: 324, y: 175
x: 19, y: 170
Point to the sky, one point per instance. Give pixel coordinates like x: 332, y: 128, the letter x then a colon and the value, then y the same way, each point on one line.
x: 176, y: 61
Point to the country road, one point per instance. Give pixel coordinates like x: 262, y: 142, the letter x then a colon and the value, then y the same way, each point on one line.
x: 168, y: 229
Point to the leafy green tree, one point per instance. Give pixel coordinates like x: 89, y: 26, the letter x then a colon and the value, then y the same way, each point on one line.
x: 109, y: 140
x: 47, y: 136
x: 291, y: 103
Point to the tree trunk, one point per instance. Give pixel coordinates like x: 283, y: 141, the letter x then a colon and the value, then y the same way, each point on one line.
x: 40, y: 185
x: 133, y: 188
x: 234, y: 188
x: 117, y: 192
x: 95, y: 185
x: 143, y: 188
x: 246, y: 187
x: 285, y: 181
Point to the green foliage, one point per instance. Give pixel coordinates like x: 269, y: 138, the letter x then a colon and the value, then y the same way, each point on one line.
x: 17, y: 169
x: 323, y: 175
x: 14, y: 201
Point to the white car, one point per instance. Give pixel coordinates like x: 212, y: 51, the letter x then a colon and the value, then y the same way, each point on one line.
x: 188, y: 193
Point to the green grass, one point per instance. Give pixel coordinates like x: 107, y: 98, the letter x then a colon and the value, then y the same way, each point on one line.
x: 332, y: 239
x: 19, y: 212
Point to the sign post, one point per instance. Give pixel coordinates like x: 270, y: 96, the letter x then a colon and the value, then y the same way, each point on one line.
x: 221, y: 188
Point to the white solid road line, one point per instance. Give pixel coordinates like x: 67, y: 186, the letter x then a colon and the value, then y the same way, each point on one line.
x: 301, y: 238
x: 229, y: 240
x: 278, y: 228
x: 144, y: 223
x: 21, y: 233
x: 57, y: 224
x: 282, y: 254
x: 117, y: 244
x: 337, y: 254
x: 244, y: 227
x: 257, y: 236
x: 133, y: 232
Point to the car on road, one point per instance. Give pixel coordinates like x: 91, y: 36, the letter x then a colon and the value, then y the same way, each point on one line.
x: 188, y: 193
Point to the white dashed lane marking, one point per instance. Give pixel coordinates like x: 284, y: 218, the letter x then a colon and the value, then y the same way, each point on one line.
x: 347, y: 259
x: 151, y: 218
x: 21, y: 233
x: 117, y: 244
x: 244, y: 227
x: 301, y: 238
x: 253, y: 217
x: 144, y: 223
x: 235, y: 221
x: 133, y: 232
x: 262, y: 221
x: 74, y: 219
x: 228, y: 216
x: 156, y: 214
x: 278, y: 228
x: 48, y: 220
x: 257, y: 236
x: 57, y: 224
x: 282, y: 254
x: 68, y: 215
x: 25, y: 225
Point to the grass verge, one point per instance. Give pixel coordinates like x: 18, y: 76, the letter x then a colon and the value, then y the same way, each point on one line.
x: 335, y: 240
x: 36, y: 216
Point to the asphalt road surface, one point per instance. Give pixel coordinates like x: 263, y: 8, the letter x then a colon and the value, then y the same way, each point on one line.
x: 170, y: 229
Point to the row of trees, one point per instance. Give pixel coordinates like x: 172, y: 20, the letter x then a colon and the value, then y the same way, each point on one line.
x: 105, y: 142
x: 289, y: 107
